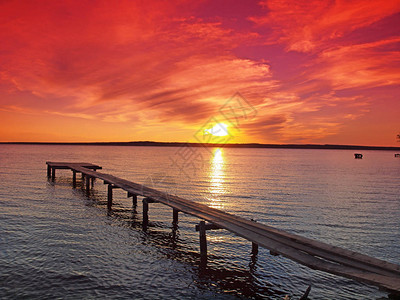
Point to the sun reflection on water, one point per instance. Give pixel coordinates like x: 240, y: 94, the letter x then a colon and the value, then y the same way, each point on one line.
x: 217, y: 179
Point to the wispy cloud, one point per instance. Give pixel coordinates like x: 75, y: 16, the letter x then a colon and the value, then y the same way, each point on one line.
x: 306, y: 25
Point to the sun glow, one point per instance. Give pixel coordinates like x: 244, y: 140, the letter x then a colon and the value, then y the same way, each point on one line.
x: 219, y: 129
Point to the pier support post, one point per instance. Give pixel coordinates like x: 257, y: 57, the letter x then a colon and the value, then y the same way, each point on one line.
x: 146, y: 202
x: 48, y: 171
x: 53, y: 173
x: 134, y: 198
x: 254, y: 248
x: 203, y: 240
x: 201, y: 228
x: 145, y: 212
x: 175, y: 214
x: 74, y: 179
x: 109, y: 196
x: 87, y: 183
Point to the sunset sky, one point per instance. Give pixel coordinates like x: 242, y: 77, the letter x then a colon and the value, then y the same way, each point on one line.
x: 322, y: 72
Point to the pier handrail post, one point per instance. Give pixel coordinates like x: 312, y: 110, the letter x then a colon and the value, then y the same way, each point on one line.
x: 203, y: 240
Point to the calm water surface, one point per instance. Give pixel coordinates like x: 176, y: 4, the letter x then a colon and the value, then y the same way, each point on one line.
x: 55, y: 242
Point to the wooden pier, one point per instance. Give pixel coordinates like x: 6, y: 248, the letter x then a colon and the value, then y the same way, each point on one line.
x: 311, y: 253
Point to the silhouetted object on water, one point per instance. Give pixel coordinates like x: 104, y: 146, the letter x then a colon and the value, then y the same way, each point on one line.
x: 358, y: 155
x: 397, y: 155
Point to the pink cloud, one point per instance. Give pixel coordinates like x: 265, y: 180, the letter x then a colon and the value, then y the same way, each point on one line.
x: 306, y: 25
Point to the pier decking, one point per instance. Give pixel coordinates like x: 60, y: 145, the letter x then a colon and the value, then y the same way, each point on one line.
x: 312, y: 253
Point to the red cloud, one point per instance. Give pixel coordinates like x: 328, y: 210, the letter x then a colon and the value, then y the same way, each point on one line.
x: 306, y: 25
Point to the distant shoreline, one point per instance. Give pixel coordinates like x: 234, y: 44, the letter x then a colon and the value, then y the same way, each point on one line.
x: 244, y: 145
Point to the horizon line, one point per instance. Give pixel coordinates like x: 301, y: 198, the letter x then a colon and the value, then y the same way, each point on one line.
x: 219, y: 145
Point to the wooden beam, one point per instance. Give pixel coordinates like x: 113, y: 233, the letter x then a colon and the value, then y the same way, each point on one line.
x: 149, y: 200
x: 208, y: 226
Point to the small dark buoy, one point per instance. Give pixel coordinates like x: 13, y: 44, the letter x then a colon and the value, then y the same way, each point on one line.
x: 397, y: 155
x: 358, y: 155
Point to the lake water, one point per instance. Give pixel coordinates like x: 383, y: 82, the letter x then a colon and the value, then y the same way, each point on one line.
x: 56, y: 242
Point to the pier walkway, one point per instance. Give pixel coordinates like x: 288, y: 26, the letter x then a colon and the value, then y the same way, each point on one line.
x: 311, y: 253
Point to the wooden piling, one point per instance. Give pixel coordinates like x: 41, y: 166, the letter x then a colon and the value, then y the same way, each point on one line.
x: 109, y: 195
x: 87, y: 183
x: 203, y: 239
x: 74, y: 179
x: 134, y: 198
x: 175, y: 214
x: 254, y: 248
x: 48, y: 171
x: 53, y: 173
x: 145, y: 211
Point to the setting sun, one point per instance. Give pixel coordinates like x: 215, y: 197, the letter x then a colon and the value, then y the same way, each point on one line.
x: 219, y: 129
